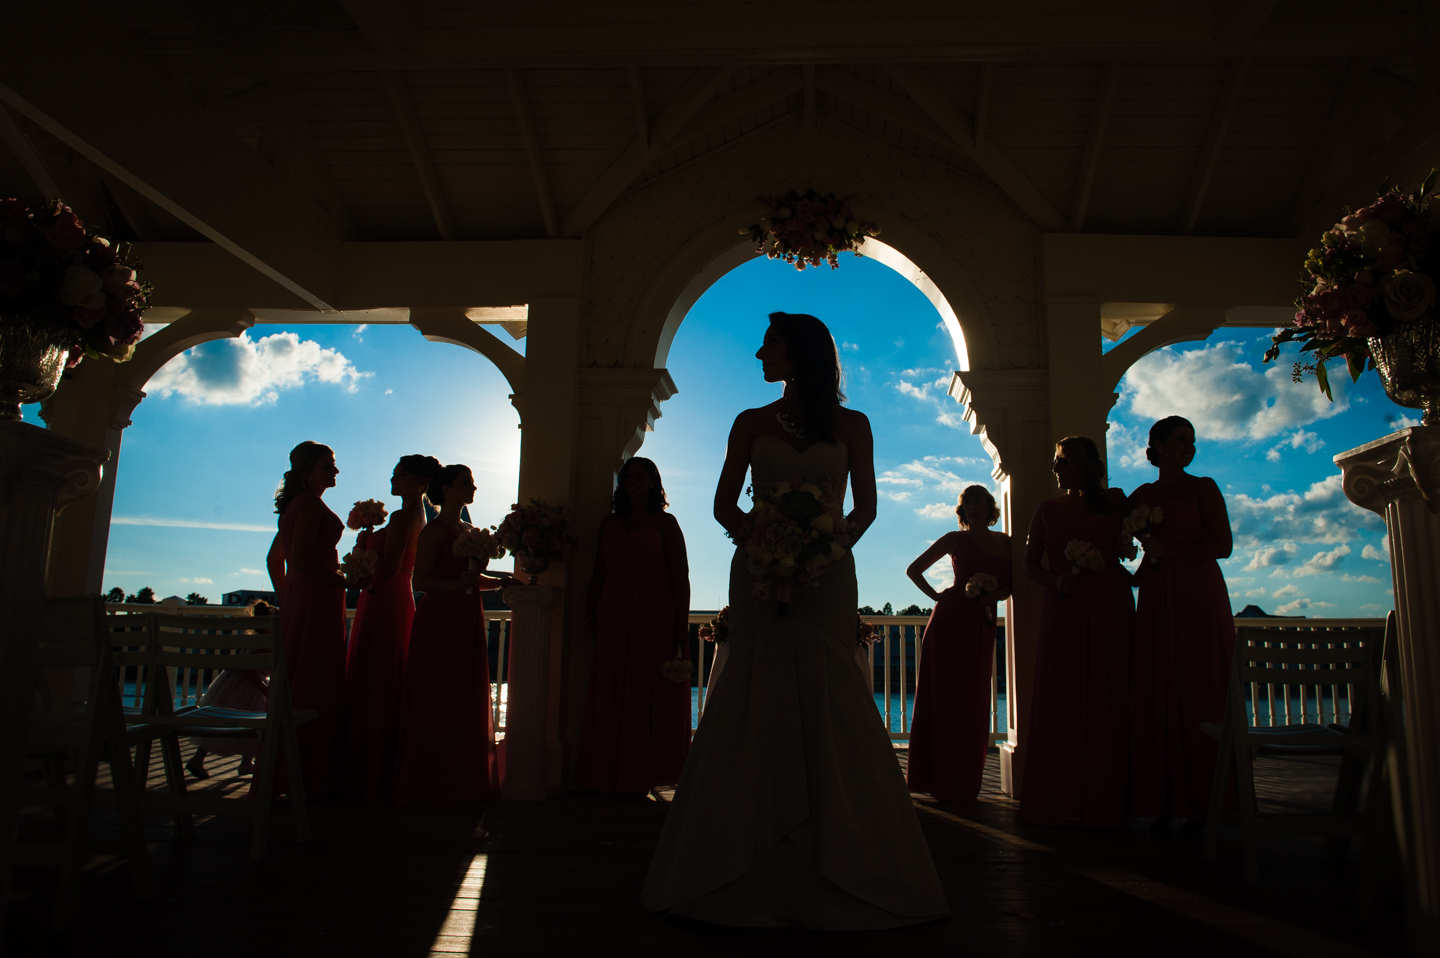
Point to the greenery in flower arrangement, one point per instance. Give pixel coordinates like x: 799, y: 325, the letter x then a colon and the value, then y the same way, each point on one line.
x: 807, y: 229
x: 55, y: 271
x: 1374, y: 272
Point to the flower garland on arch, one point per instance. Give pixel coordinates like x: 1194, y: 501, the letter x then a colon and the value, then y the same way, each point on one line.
x: 807, y: 229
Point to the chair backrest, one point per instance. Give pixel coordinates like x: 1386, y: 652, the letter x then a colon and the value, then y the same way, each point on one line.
x: 72, y: 643
x: 130, y: 640
x: 1293, y: 675
x: 195, y: 649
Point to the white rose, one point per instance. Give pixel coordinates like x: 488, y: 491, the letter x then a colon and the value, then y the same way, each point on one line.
x: 1371, y: 235
x: 81, y: 287
x: 852, y: 227
x: 1409, y: 295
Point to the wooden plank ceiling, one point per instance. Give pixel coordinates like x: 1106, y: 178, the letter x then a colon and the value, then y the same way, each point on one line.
x: 454, y: 120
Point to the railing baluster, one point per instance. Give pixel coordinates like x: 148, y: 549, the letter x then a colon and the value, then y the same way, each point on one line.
x: 904, y: 683
x: 888, y: 727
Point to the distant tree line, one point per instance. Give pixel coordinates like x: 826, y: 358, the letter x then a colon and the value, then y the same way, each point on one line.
x: 911, y: 609
x: 146, y: 596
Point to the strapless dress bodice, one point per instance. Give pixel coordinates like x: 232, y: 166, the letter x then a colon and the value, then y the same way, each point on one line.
x: 774, y: 460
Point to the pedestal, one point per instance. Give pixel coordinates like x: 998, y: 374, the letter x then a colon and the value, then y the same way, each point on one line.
x: 39, y: 473
x: 528, y: 708
x: 1399, y: 478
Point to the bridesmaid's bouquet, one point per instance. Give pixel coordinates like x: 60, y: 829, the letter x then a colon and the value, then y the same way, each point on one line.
x: 479, y: 545
x: 359, y: 564
x: 366, y: 514
x: 717, y: 630
x: 676, y: 670
x: 1142, y: 521
x: 537, y: 535
x: 866, y: 634
x: 1084, y: 556
x: 793, y: 535
x: 979, y: 584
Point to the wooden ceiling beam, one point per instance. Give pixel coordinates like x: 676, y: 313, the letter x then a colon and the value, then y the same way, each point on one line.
x: 385, y: 24
x: 419, y: 152
x: 807, y: 73
x: 532, y: 149
x: 1331, y: 146
x: 1094, y: 143
x: 982, y: 100
x: 933, y: 99
x: 29, y: 157
x: 637, y: 103
x: 1239, y: 22
x: 1214, y: 142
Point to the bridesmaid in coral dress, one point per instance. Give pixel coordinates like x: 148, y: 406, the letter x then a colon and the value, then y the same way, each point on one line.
x: 637, y: 721
x: 1076, y: 766
x: 305, y: 570
x: 1184, y: 635
x: 380, y: 638
x: 950, y: 734
x: 446, y: 749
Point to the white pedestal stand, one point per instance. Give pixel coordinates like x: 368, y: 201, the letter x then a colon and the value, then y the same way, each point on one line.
x: 528, y: 707
x: 1399, y: 478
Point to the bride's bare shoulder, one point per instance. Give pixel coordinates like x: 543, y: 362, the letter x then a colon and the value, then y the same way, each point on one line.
x: 852, y: 423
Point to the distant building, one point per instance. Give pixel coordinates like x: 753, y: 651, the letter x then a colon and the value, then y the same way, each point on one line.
x: 1255, y: 612
x: 247, y: 596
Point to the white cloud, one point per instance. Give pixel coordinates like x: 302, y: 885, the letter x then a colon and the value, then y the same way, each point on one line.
x: 243, y: 371
x: 1125, y: 446
x: 853, y: 347
x: 1218, y: 389
x: 1254, y: 593
x: 1286, y: 590
x: 1370, y: 552
x: 941, y: 576
x: 1322, y: 561
x: 186, y: 524
x: 932, y: 387
x: 198, y: 580
x: 244, y: 571
x: 359, y: 331
x: 937, y: 510
x: 1321, y: 514
x: 1403, y: 422
x: 930, y: 476
x: 1347, y: 577
x: 1272, y: 556
x: 1290, y: 608
x: 1300, y: 439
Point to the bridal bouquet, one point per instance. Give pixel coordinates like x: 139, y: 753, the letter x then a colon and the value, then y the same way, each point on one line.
x: 537, y: 535
x: 807, y: 229
x: 1084, y: 556
x: 1373, y: 272
x: 359, y: 564
x: 366, y: 514
x: 479, y: 545
x: 866, y: 634
x: 676, y: 670
x: 979, y: 584
x: 717, y: 630
x: 792, y: 536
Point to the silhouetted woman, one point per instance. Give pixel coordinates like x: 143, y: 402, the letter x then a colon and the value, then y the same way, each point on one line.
x: 637, y: 721
x: 380, y: 637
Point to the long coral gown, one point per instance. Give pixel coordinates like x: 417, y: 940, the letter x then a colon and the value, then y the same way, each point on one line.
x: 637, y: 722
x: 1184, y: 640
x: 446, y: 749
x: 374, y: 669
x: 312, y: 626
x: 1076, y: 769
x: 951, y: 731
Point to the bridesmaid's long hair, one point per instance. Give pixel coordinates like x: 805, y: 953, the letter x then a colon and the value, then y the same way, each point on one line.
x: 811, y: 350
x: 444, y: 477
x: 422, y: 467
x: 620, y: 502
x: 302, y: 459
x: 1082, y: 451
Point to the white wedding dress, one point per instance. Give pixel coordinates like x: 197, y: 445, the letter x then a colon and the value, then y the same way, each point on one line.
x: 792, y: 810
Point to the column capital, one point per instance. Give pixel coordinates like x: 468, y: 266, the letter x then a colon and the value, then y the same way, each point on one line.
x: 628, y: 395
x: 997, y: 402
x: 1402, y: 465
x: 42, y: 459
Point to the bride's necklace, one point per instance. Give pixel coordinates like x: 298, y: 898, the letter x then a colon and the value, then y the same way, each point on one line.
x: 787, y: 424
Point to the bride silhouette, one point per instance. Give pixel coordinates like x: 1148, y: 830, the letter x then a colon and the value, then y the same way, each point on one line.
x: 791, y: 810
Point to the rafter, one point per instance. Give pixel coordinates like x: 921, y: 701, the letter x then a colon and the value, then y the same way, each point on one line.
x: 982, y: 101
x: 1333, y: 142
x: 933, y: 99
x: 532, y: 148
x: 132, y: 208
x: 1214, y: 141
x: 637, y: 103
x: 317, y: 171
x: 808, y: 75
x: 1094, y: 142
x: 385, y: 24
x: 29, y: 158
x: 700, y: 88
x: 419, y: 152
x: 1239, y: 22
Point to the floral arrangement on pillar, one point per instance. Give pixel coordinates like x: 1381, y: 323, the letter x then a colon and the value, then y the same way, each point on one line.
x: 1370, y: 300
x: 807, y: 229
x: 536, y: 535
x: 65, y: 293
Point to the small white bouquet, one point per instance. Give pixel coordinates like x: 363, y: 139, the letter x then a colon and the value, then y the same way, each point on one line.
x: 359, y: 564
x: 1142, y: 520
x: 1084, y: 556
x: 676, y: 670
x: 979, y: 584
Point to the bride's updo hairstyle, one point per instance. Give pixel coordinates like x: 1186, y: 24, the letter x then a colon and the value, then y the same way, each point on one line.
x: 446, y: 476
x: 977, y: 491
x: 1082, y: 452
x: 656, y: 502
x: 421, y: 467
x: 1160, y: 432
x: 811, y: 350
x: 302, y: 459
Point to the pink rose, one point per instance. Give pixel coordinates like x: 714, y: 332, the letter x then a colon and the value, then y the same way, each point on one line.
x: 123, y: 324
x: 86, y: 318
x: 1353, y: 318
x: 1364, y: 278
x: 65, y: 232
x: 1358, y: 297
x: 118, y: 280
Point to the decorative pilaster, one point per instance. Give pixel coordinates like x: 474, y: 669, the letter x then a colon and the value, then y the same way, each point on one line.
x: 528, y: 707
x: 40, y: 473
x: 1399, y: 478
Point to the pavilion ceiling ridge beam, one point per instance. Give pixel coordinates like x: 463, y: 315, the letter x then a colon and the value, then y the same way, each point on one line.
x: 1335, y: 138
x: 933, y: 99
x: 697, y: 91
x: 419, y: 154
x: 28, y: 156
x: 1214, y: 142
x: 637, y: 102
x: 982, y: 100
x: 131, y: 207
x: 1094, y: 143
x: 532, y: 149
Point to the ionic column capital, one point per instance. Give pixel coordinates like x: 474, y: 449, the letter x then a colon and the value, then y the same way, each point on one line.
x: 1402, y: 465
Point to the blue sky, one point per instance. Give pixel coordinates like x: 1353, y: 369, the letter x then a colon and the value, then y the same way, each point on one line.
x: 199, y: 465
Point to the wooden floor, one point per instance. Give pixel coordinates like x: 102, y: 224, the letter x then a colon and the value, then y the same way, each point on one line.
x: 563, y: 878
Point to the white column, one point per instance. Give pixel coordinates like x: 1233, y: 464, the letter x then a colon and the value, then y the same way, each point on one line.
x: 39, y: 473
x: 527, y: 710
x: 1399, y: 478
